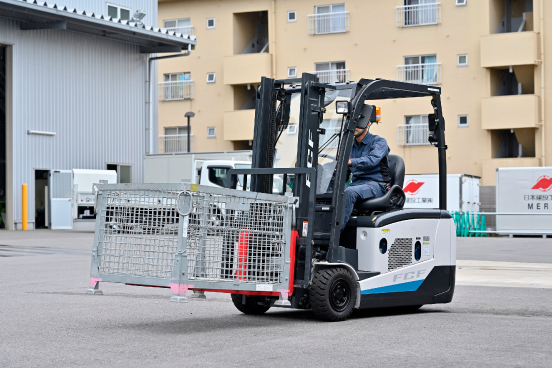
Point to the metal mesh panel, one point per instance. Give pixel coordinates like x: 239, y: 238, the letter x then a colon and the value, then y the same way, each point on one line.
x: 139, y: 233
x: 400, y: 253
x: 233, y: 238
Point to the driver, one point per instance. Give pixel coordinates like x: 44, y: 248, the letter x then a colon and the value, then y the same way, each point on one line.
x: 369, y: 166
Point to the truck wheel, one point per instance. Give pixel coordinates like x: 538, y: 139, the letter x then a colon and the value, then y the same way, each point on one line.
x: 333, y: 294
x: 252, y: 304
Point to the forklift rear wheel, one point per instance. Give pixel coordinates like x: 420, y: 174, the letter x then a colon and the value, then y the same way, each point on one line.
x: 251, y: 305
x: 333, y: 294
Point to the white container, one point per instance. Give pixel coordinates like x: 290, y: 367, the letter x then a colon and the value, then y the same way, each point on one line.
x: 524, y: 190
x: 422, y: 191
x: 83, y: 194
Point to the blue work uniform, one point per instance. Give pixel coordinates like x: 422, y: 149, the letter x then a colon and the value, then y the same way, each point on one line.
x: 370, y: 170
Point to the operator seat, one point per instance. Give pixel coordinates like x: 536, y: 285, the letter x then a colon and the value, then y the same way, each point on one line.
x: 394, y: 198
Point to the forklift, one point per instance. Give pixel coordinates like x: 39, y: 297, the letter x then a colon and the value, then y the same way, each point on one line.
x: 387, y: 256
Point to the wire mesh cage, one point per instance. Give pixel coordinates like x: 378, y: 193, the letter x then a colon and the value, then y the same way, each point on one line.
x: 226, y: 239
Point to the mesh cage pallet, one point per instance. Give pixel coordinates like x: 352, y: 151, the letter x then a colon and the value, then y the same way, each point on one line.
x: 185, y: 236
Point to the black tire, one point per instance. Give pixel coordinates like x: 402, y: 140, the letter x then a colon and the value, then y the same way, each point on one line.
x: 252, y: 304
x: 333, y: 294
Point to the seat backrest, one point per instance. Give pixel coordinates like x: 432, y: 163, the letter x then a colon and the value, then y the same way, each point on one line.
x: 396, y: 170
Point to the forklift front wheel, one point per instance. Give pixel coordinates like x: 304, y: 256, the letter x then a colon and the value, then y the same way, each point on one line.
x: 252, y: 304
x: 333, y: 294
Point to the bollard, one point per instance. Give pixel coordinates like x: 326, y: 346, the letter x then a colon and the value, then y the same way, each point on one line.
x: 24, y: 206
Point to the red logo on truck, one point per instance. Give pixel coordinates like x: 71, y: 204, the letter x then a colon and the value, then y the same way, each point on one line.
x: 413, y: 187
x: 544, y: 183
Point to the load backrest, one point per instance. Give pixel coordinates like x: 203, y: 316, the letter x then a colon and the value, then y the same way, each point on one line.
x: 396, y: 170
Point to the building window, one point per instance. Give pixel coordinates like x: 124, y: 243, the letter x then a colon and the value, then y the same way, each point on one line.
x: 461, y: 2
x: 462, y: 120
x: 292, y: 72
x: 422, y: 69
x: 179, y: 25
x: 175, y: 140
x: 328, y: 19
x: 211, y: 132
x: 292, y: 129
x: 414, y: 132
x: 118, y: 12
x: 292, y: 16
x: 210, y: 23
x: 332, y: 72
x: 176, y: 86
x: 463, y: 60
x: 211, y: 77
x: 418, y: 13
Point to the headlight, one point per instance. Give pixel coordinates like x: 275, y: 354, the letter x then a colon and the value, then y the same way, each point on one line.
x: 342, y: 107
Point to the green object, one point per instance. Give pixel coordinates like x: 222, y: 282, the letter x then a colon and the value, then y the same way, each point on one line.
x: 467, y: 224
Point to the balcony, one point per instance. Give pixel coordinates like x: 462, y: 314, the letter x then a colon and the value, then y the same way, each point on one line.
x: 239, y: 125
x: 187, y: 30
x: 337, y: 22
x: 413, y: 135
x: 510, y: 112
x: 176, y: 143
x: 509, y: 49
x: 174, y: 91
x: 429, y: 73
x: 333, y: 76
x: 418, y: 15
x: 247, y: 68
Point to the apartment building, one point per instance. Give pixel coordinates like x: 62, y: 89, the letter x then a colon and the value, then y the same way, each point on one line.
x: 486, y: 55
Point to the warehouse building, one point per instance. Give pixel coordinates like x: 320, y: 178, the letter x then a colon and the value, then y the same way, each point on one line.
x: 74, y: 95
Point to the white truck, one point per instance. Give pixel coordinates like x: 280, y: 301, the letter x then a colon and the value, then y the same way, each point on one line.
x: 422, y: 191
x: 525, y: 194
x: 205, y: 168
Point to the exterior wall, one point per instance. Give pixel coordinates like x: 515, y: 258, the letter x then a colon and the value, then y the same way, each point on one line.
x: 89, y: 90
x: 100, y: 7
x: 372, y: 48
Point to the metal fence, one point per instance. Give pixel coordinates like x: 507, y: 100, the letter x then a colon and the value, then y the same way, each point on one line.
x: 187, y: 30
x: 176, y: 143
x: 179, y: 90
x: 429, y: 73
x: 193, y: 237
x: 418, y: 15
x: 333, y: 76
x: 337, y: 22
x: 413, y: 135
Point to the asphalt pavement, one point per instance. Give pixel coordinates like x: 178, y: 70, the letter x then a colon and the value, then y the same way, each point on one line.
x: 47, y: 320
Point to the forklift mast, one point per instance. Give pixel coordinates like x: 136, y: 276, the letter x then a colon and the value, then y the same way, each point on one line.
x: 318, y: 215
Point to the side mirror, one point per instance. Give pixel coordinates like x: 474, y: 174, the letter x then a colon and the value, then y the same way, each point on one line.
x: 365, y: 116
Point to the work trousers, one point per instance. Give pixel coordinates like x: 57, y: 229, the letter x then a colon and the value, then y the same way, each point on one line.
x: 357, y: 191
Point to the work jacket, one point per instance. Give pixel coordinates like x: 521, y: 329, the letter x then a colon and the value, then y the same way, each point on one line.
x: 369, y: 160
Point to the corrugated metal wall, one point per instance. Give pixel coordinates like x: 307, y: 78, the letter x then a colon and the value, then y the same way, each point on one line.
x: 90, y: 91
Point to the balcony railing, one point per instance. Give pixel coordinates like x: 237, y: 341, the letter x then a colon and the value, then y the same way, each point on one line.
x: 333, y: 76
x: 187, y: 30
x: 175, y: 143
x: 337, y: 22
x: 418, y: 15
x: 413, y: 135
x: 420, y: 73
x: 180, y: 90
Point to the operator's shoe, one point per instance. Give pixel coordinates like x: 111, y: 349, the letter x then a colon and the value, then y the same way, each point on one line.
x: 198, y: 295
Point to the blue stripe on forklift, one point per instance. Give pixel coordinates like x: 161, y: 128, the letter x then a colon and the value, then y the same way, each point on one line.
x: 405, y: 286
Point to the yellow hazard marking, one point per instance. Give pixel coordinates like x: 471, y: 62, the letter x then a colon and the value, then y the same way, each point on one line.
x: 194, y: 187
x: 374, y: 219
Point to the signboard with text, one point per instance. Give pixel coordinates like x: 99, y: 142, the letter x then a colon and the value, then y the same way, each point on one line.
x: 526, y: 190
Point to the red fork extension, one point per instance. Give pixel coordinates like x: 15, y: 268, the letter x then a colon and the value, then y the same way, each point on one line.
x: 243, y: 247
